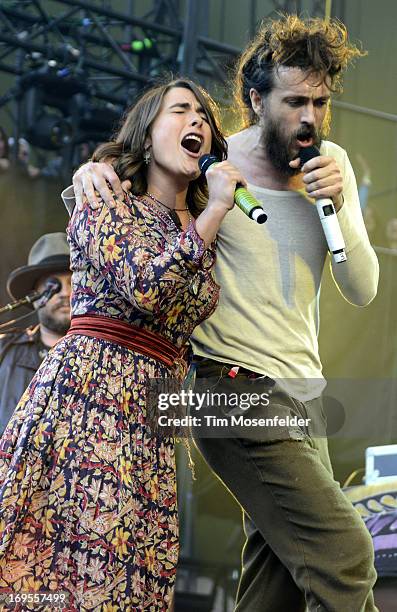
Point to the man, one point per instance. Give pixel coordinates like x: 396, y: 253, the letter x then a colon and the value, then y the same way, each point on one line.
x: 21, y: 353
x: 306, y: 545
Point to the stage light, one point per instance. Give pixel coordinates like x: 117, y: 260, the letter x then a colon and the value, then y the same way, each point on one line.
x: 143, y: 46
x: 97, y: 123
x: 48, y: 92
x: 50, y: 131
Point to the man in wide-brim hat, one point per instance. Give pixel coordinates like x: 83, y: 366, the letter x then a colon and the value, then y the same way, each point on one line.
x: 21, y: 353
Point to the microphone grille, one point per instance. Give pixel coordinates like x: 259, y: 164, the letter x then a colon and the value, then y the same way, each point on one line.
x: 206, y: 161
x: 307, y: 153
x: 53, y: 286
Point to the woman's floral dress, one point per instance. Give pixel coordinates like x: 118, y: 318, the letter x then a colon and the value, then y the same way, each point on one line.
x: 87, y: 495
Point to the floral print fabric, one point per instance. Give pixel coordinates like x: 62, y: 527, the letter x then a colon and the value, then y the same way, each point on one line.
x: 87, y: 495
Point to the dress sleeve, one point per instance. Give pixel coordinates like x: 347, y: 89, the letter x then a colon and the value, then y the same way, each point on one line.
x: 123, y: 247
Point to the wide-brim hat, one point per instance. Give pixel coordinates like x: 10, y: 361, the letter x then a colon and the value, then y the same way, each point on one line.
x: 50, y: 253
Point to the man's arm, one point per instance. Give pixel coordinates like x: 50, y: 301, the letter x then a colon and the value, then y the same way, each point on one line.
x: 222, y: 179
x: 357, y: 278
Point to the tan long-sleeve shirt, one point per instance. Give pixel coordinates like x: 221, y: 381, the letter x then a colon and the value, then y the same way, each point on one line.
x: 270, y: 276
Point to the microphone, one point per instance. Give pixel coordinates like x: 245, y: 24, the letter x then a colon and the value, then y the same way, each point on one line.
x: 242, y: 197
x: 52, y: 286
x: 327, y: 214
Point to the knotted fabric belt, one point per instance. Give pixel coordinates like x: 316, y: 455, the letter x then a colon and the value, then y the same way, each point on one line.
x: 125, y: 334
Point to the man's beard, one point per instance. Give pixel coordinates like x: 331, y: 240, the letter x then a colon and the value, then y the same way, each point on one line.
x: 280, y: 150
x: 58, y: 325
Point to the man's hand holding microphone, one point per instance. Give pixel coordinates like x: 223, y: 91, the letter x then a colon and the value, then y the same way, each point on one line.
x: 323, y: 182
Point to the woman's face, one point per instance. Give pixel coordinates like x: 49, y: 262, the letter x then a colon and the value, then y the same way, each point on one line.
x: 179, y: 136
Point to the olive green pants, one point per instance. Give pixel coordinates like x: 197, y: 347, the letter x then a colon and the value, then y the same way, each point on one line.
x: 306, y: 547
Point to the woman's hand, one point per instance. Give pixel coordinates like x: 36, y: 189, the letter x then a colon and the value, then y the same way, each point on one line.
x: 222, y: 179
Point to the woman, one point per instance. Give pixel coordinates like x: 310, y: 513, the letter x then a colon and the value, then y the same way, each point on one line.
x: 88, y: 497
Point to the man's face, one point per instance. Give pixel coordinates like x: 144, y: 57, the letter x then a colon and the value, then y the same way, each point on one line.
x: 293, y: 115
x: 55, y: 315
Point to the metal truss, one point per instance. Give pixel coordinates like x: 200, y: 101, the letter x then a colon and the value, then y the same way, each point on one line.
x: 86, y: 62
x: 314, y: 8
x: 287, y: 6
x: 112, y: 54
x: 89, y: 61
x: 104, y: 47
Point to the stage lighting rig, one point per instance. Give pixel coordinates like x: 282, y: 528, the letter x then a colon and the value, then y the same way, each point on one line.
x: 93, y: 120
x: 47, y: 92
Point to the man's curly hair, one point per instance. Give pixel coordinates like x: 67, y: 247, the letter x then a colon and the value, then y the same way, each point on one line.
x: 315, y: 45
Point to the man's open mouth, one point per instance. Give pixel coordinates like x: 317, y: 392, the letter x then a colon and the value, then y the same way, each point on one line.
x: 305, y: 141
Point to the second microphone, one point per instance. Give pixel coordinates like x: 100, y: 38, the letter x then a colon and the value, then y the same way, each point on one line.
x: 242, y: 197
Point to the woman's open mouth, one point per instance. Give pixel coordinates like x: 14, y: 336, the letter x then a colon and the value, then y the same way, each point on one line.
x: 191, y: 143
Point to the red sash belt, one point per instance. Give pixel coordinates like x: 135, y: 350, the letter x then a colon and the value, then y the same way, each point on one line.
x: 127, y: 335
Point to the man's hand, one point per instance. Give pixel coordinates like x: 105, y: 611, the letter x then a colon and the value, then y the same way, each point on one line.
x: 322, y: 178
x: 97, y: 176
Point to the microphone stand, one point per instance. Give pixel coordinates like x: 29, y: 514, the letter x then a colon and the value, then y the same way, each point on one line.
x: 52, y: 287
x: 28, y: 299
